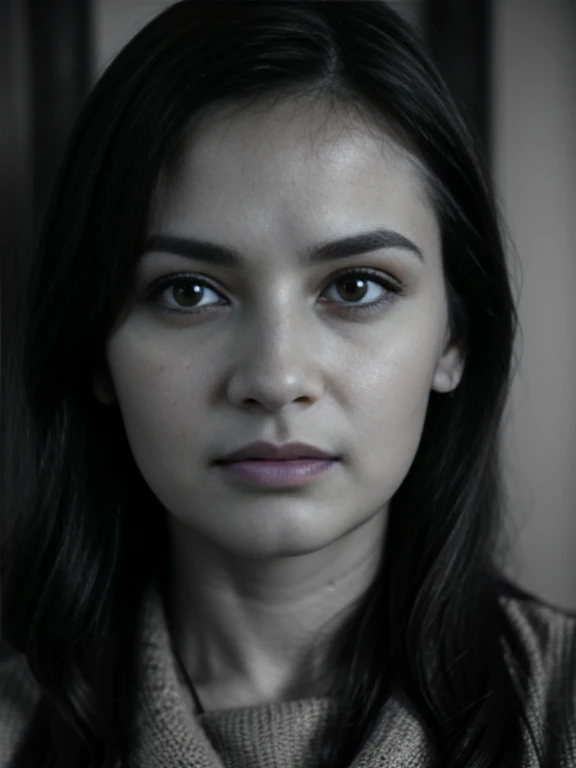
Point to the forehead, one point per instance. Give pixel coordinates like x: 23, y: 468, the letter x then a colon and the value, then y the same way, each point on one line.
x: 294, y: 167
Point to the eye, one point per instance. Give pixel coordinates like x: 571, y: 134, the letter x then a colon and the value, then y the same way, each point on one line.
x: 185, y: 288
x: 352, y: 286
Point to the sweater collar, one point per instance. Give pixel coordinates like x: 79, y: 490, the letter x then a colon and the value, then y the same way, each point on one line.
x: 165, y: 734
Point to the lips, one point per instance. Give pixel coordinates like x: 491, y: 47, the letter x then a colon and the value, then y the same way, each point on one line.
x: 277, y: 475
x: 261, y: 451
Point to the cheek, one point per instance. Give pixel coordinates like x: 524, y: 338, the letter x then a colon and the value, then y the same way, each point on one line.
x: 388, y: 405
x: 160, y: 399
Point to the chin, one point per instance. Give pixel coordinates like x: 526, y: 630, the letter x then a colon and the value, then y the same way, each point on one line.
x: 289, y: 538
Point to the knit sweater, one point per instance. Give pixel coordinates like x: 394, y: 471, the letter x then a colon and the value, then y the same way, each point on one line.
x: 286, y: 734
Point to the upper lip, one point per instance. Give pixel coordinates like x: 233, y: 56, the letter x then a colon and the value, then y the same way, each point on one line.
x: 261, y: 450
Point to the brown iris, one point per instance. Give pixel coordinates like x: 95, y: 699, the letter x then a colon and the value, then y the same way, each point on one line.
x: 351, y: 285
x: 188, y: 291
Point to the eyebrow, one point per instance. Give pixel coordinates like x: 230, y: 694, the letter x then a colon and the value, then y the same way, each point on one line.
x: 224, y: 256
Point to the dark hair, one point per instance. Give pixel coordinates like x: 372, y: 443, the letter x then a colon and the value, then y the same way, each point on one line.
x: 86, y: 531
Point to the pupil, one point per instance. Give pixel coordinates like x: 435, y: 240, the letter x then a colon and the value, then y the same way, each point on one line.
x: 352, y: 284
x: 195, y: 289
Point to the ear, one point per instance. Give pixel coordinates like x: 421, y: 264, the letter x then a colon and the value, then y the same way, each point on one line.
x: 103, y: 387
x: 449, y: 369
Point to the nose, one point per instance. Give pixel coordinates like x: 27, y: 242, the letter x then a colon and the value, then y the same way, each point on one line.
x: 277, y: 363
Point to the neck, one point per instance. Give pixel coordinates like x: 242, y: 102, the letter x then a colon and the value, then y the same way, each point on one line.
x: 257, y: 631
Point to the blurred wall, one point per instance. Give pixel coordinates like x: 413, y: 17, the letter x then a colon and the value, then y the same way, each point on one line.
x: 534, y: 144
x: 116, y: 21
x: 533, y: 137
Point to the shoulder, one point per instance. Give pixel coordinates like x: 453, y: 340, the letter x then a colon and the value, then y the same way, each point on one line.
x: 547, y: 632
x: 19, y: 699
x: 545, y: 635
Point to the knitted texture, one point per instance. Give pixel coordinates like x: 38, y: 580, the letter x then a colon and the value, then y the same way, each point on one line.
x: 165, y: 733
x: 269, y: 735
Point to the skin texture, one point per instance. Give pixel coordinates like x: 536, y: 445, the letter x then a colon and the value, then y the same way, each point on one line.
x: 278, y: 355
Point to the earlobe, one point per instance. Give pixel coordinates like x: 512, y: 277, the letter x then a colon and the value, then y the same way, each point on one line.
x: 103, y: 387
x: 449, y: 370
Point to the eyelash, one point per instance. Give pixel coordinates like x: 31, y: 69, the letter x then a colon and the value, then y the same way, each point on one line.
x: 158, y: 287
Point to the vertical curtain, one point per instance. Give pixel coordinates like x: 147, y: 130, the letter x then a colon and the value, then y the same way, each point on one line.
x: 46, y: 56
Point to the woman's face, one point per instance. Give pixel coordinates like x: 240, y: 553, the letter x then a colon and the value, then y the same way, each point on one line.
x: 281, y: 350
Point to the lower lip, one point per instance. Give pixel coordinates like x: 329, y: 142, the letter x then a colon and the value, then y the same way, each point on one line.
x: 279, y: 474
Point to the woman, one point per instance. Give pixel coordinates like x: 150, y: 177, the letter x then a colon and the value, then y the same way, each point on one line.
x: 271, y: 226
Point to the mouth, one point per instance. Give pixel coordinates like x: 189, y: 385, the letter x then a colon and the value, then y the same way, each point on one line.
x: 264, y: 451
x: 263, y: 460
x: 277, y: 473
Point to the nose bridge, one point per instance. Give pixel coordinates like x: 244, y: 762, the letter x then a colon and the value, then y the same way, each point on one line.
x: 275, y: 359
x: 278, y: 327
